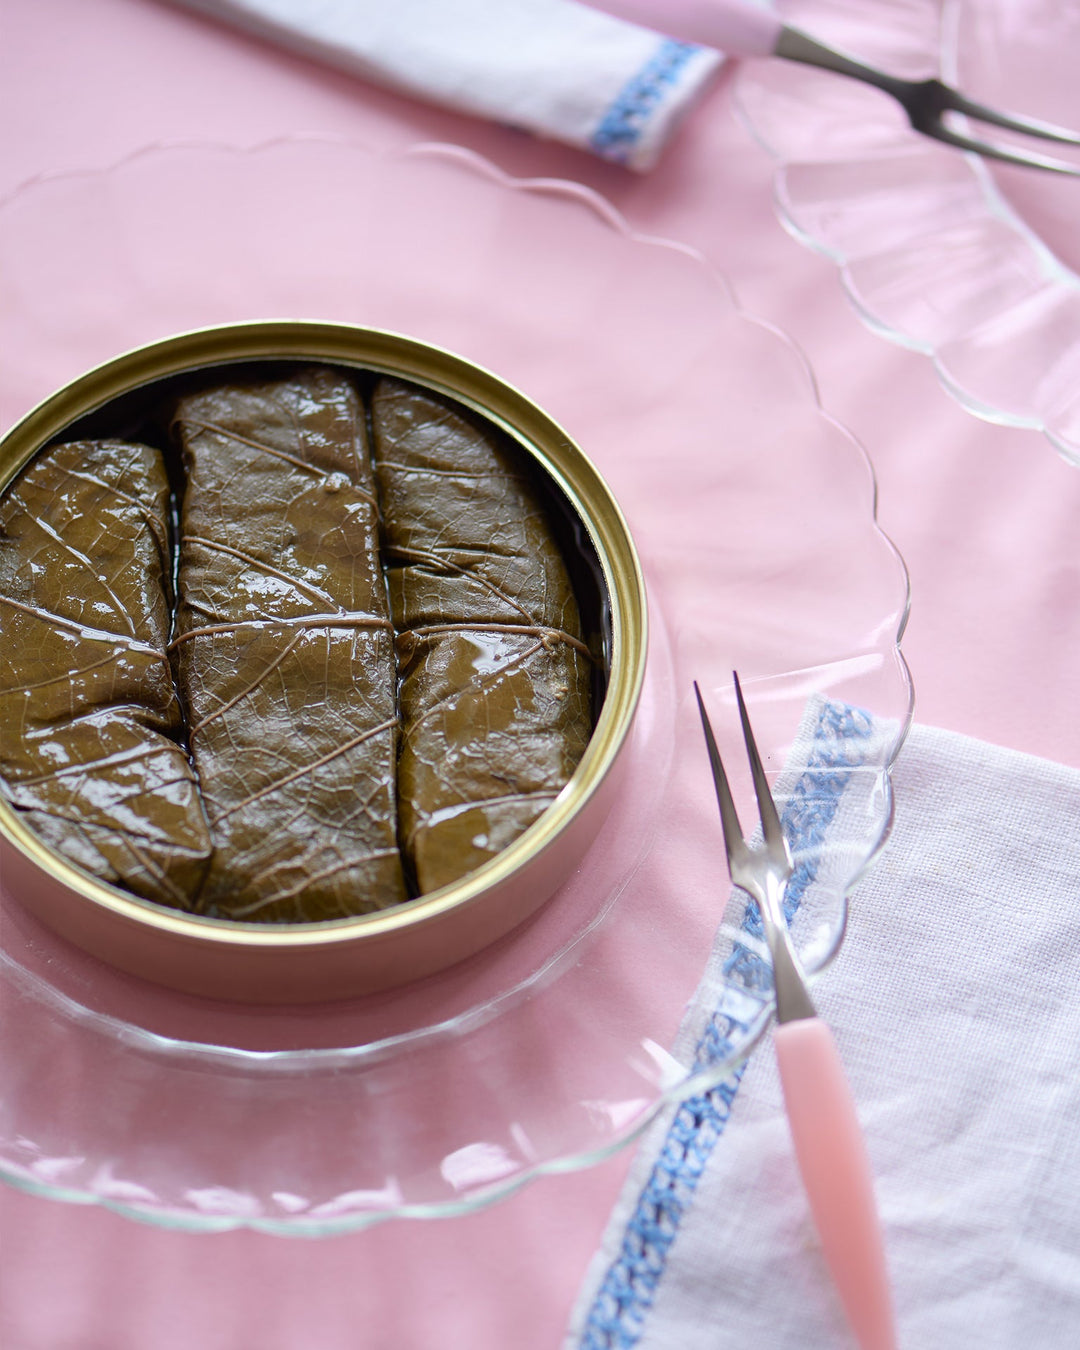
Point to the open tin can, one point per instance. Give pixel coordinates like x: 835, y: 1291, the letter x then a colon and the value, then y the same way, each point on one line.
x: 340, y: 958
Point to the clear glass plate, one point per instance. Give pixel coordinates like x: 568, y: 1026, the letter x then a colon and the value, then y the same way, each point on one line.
x: 754, y: 515
x: 973, y: 265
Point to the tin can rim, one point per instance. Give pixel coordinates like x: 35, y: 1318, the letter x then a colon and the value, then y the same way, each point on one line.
x: 445, y: 372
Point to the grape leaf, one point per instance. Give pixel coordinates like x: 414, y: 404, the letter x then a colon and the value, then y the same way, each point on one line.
x: 285, y: 650
x: 494, y: 677
x: 90, y: 726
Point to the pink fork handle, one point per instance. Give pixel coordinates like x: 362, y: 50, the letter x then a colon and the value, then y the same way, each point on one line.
x: 737, y: 27
x: 835, y: 1169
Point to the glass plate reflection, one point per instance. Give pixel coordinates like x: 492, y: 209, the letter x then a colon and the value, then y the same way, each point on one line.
x: 972, y: 265
x: 754, y: 516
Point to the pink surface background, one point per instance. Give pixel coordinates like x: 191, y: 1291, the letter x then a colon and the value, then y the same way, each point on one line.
x: 984, y: 516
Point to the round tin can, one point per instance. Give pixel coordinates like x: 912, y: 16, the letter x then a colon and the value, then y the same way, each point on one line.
x: 310, y: 962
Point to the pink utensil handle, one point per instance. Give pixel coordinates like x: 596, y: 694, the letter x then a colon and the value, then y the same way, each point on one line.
x: 835, y: 1169
x: 737, y: 27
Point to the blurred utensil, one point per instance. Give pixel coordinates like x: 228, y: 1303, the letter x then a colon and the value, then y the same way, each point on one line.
x: 829, y: 1146
x: 743, y: 28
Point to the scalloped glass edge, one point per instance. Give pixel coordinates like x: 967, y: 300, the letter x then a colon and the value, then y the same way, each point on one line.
x: 691, y: 1082
x: 1051, y: 269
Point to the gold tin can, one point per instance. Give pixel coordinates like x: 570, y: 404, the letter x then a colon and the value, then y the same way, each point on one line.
x: 313, y: 962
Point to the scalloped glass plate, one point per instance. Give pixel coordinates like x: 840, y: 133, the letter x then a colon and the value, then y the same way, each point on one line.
x: 544, y: 1052
x: 971, y: 264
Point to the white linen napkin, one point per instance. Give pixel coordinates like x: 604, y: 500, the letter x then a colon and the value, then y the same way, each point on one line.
x: 553, y: 67
x: 955, y: 1002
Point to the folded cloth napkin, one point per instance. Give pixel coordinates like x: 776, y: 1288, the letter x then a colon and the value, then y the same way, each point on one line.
x: 955, y: 1004
x: 553, y: 67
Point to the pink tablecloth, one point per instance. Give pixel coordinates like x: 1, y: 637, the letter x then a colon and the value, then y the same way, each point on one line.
x: 984, y: 516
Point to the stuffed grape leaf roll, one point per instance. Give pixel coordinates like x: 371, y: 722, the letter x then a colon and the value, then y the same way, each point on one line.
x: 494, y: 679
x: 91, y: 736
x: 285, y: 647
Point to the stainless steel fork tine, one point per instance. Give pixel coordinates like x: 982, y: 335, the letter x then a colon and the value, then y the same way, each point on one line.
x: 762, y: 872
x: 926, y: 101
x: 734, y: 843
x: 1027, y: 126
x: 1027, y: 159
x: 770, y: 819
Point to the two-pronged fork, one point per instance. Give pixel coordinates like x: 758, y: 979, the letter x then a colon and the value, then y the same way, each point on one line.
x: 825, y: 1129
x: 743, y: 28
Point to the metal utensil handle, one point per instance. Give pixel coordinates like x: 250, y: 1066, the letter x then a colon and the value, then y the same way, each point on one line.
x: 792, y: 996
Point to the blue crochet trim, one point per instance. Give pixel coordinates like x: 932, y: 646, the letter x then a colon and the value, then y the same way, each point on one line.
x: 621, y: 126
x: 616, y: 1319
